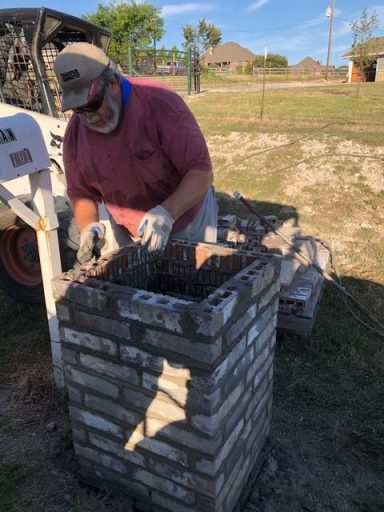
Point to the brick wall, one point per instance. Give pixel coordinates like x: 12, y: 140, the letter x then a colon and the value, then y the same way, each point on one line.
x: 169, y: 368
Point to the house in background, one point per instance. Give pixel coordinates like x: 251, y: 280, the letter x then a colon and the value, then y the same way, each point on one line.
x: 375, y: 71
x: 315, y: 66
x: 227, y: 56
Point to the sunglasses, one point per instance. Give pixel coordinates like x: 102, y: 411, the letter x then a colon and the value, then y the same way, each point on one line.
x: 93, y: 105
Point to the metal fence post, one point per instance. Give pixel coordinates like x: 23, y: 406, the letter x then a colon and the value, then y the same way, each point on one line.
x: 189, y: 70
x: 197, y: 71
x: 130, y: 61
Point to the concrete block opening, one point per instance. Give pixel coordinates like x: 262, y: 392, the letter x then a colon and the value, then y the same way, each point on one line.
x: 190, y: 272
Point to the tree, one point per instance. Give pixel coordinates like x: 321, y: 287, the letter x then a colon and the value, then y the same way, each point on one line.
x: 132, y: 25
x: 204, y: 36
x: 162, y: 55
x: 173, y: 54
x: 363, y: 46
x: 274, y: 60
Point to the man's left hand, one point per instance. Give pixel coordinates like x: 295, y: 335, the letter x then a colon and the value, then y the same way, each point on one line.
x: 155, y: 228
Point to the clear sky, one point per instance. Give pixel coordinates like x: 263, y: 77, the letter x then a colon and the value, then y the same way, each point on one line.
x: 294, y: 28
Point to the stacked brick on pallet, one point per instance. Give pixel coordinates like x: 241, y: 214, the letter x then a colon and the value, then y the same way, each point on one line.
x: 169, y: 371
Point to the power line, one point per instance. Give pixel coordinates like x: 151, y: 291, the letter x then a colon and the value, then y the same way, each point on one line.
x: 308, y: 23
x: 305, y: 24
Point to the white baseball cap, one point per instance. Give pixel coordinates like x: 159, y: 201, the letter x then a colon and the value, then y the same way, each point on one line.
x: 76, y: 66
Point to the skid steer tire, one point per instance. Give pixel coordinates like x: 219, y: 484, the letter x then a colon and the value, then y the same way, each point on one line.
x: 20, y: 274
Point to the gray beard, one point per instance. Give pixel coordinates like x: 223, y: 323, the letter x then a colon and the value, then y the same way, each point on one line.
x: 112, y: 117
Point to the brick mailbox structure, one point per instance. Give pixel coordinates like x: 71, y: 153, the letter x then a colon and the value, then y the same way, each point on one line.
x: 169, y: 367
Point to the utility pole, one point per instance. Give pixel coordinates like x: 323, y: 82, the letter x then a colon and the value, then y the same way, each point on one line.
x: 329, y: 13
x: 263, y: 92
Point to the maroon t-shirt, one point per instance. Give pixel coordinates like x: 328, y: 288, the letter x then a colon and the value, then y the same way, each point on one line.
x: 142, y: 162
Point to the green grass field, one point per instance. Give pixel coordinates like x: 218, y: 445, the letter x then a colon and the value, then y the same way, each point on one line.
x: 317, y: 156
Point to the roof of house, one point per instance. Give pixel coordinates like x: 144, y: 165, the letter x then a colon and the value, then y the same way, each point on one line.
x: 307, y: 62
x: 376, y: 47
x: 227, y: 52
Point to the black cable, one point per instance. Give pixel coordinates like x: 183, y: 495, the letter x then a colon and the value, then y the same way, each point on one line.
x: 347, y: 304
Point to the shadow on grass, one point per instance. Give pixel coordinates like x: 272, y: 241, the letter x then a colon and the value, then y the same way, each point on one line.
x: 333, y: 380
x: 229, y: 205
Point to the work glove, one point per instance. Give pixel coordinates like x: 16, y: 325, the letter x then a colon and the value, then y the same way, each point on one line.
x: 155, y: 228
x: 91, y: 241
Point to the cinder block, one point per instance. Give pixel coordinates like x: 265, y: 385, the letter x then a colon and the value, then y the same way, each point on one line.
x: 272, y: 295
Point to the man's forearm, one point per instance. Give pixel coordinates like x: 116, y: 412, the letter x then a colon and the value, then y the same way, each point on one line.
x: 191, y: 190
x: 85, y: 211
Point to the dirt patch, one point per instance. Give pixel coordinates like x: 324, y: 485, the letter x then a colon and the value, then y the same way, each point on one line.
x: 316, y: 162
x: 302, y: 169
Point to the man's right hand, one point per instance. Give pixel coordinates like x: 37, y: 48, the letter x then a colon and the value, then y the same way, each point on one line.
x: 91, y: 241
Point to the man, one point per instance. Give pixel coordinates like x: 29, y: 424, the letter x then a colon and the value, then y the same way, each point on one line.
x: 136, y: 146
